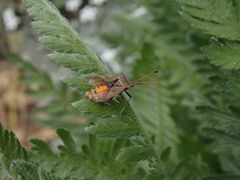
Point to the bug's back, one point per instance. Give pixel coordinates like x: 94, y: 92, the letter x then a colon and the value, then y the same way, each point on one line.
x: 107, y: 90
x: 121, y: 85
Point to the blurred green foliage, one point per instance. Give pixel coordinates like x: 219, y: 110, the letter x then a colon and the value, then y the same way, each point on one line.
x: 188, y: 129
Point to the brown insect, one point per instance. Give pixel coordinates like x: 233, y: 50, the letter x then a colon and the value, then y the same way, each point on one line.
x: 105, y: 88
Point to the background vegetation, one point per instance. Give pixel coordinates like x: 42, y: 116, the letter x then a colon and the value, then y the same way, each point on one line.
x: 188, y: 130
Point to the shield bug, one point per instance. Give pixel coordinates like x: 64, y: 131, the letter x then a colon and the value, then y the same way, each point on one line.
x: 106, y: 87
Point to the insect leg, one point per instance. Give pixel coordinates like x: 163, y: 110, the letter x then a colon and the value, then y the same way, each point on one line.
x: 122, y: 98
x: 127, y: 102
x: 129, y: 95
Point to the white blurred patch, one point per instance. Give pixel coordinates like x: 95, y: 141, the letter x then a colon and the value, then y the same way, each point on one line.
x: 109, y: 56
x: 88, y: 14
x: 73, y: 5
x: 116, y: 67
x: 141, y: 11
x: 97, y: 2
x: 11, y: 21
x: 132, y: 58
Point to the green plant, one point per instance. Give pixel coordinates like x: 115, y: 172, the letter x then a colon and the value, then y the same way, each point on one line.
x: 15, y: 159
x: 58, y: 95
x: 159, y: 135
x: 72, y: 53
x: 223, y: 112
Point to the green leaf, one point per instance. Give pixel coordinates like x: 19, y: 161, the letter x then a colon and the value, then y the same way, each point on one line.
x: 41, y: 147
x: 215, y: 17
x: 155, y: 174
x: 227, y: 57
x: 29, y: 170
x: 24, y: 170
x: 92, y: 142
x: 69, y: 144
x: 78, y: 83
x: 119, y: 143
x: 70, y: 52
x: 57, y: 34
x: 222, y: 177
x: 223, y: 138
x: 109, y: 110
x: 216, y: 114
x: 43, y: 175
x: 151, y: 102
x: 230, y: 163
x: 85, y: 149
x: 135, y: 153
x: 15, y: 158
x: 10, y: 148
x: 111, y: 129
x: 222, y: 121
x: 233, y: 84
x: 165, y: 154
x: 31, y: 74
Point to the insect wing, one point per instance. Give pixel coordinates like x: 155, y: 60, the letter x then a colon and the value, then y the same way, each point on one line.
x: 98, y: 79
x: 114, y: 91
x: 106, y: 95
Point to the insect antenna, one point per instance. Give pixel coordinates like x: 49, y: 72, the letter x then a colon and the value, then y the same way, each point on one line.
x: 146, y: 75
x: 139, y: 81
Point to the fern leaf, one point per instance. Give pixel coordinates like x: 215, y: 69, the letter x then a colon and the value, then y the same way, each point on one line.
x: 222, y: 177
x: 208, y: 16
x: 230, y: 164
x: 165, y: 154
x: 223, y: 138
x: 33, y: 73
x: 233, y: 84
x: 155, y: 174
x: 94, y: 159
x: 69, y: 144
x: 59, y: 36
x: 24, y: 170
x: 104, y: 111
x: 28, y: 170
x: 78, y: 83
x: 135, y: 153
x: 10, y: 148
x: 224, y: 56
x: 92, y: 142
x: 216, y: 114
x: 43, y: 175
x: 222, y: 121
x: 150, y: 102
x: 41, y: 146
x: 15, y: 158
x: 113, y: 129
x: 70, y: 52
